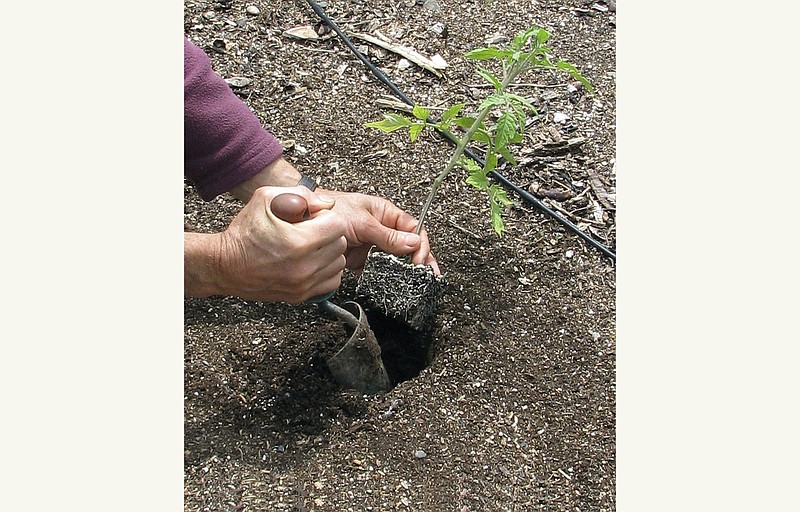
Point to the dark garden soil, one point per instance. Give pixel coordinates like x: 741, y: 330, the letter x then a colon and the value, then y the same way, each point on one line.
x: 508, y: 402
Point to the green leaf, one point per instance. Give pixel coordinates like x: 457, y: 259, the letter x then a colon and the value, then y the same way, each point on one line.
x: 484, y: 53
x: 494, y: 99
x: 478, y: 180
x: 505, y: 129
x: 573, y: 71
x: 542, y: 36
x: 498, y: 199
x: 489, y: 77
x: 464, y: 122
x: 469, y: 164
x: 390, y: 123
x: 507, y: 156
x: 499, y: 195
x: 421, y: 112
x: 517, y: 100
x: 523, y: 37
x: 415, y: 130
x: 481, y: 136
x: 452, y: 112
x: 491, y: 163
x: 497, y: 220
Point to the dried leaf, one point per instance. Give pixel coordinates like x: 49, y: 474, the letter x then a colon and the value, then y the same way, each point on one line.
x: 301, y: 32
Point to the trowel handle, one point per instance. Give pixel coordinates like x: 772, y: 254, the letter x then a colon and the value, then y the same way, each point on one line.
x: 290, y: 207
x: 294, y: 208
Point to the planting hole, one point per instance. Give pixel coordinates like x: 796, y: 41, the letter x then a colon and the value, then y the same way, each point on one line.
x: 405, y: 351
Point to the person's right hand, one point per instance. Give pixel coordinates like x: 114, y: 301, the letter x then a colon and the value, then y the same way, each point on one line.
x: 262, y: 257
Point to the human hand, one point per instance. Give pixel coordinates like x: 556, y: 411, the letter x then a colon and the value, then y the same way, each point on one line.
x: 261, y: 257
x: 372, y: 220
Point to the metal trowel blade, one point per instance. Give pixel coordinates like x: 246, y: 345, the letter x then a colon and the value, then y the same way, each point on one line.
x: 358, y: 364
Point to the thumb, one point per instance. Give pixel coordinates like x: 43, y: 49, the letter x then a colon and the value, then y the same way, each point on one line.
x: 317, y: 202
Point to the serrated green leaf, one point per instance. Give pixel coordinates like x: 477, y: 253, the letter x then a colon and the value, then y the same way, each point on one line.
x: 573, y: 71
x: 505, y: 129
x: 464, y: 122
x: 507, y: 156
x: 517, y: 100
x: 498, y: 200
x: 415, y: 130
x: 490, y: 163
x: 542, y: 36
x: 480, y: 135
x: 484, y: 54
x: 489, y: 77
x: 478, y: 179
x: 496, y: 212
x: 522, y: 38
x: 498, y: 195
x: 421, y: 112
x: 452, y: 112
x: 494, y: 99
x: 390, y: 123
x: 469, y: 164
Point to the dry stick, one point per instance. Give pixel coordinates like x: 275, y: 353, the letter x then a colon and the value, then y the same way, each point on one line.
x: 399, y: 105
x: 541, y: 86
x: 404, y: 51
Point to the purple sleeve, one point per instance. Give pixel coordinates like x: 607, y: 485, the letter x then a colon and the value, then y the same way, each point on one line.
x: 224, y: 142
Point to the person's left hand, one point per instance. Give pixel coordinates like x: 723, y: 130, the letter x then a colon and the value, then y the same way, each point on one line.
x: 372, y: 220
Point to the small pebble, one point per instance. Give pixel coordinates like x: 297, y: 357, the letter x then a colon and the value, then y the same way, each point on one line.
x: 420, y: 454
x: 570, y: 253
x: 252, y: 9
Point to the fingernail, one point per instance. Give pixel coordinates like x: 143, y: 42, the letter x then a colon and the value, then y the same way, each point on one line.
x: 411, y: 240
x: 325, y: 199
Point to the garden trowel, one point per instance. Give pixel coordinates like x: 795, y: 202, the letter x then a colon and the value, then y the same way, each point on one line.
x: 358, y: 364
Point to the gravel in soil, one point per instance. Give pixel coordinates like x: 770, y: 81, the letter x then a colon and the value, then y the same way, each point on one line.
x: 510, y: 404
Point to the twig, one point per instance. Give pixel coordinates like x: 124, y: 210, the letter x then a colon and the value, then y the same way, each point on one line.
x: 399, y: 105
x: 464, y: 230
x: 542, y: 86
x: 404, y: 51
x: 573, y: 216
x: 599, y: 190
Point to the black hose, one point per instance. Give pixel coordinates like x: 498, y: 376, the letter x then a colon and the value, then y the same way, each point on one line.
x: 527, y: 196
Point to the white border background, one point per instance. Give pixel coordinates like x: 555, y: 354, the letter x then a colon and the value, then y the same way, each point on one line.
x: 92, y: 321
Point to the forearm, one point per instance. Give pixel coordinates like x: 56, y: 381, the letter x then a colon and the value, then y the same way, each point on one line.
x: 201, y: 264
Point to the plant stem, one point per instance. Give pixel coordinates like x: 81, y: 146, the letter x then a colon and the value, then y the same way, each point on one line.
x: 462, y: 144
x: 459, y: 151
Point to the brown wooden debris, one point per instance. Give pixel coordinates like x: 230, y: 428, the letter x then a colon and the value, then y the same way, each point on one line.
x: 434, y: 65
x: 558, y: 148
x: 606, y: 199
x: 558, y: 194
x: 392, y: 104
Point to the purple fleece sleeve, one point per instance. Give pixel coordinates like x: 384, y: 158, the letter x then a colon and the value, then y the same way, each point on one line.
x: 224, y: 142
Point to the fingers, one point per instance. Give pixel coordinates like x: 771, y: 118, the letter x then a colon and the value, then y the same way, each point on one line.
x: 423, y: 255
x: 394, y: 234
x: 288, y: 260
x: 320, y: 282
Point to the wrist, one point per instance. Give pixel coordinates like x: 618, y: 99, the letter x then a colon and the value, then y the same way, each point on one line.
x: 202, y: 264
x: 279, y: 173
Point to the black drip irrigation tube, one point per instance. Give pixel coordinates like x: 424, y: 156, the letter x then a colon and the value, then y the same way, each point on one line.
x: 524, y: 194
